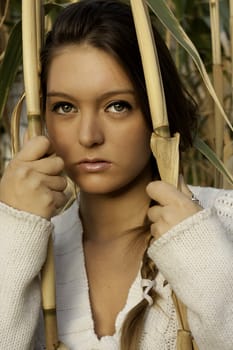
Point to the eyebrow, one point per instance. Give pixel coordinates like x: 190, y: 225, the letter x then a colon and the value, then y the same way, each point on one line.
x: 104, y: 95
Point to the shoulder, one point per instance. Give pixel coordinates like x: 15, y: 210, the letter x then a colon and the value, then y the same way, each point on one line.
x: 208, y: 196
x: 222, y: 203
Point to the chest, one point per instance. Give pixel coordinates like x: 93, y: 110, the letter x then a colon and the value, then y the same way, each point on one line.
x: 75, y: 300
x: 109, y: 281
x: 77, y: 318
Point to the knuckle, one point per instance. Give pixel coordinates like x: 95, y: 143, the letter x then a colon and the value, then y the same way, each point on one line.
x: 61, y: 200
x: 154, y: 230
x: 48, y: 199
x: 59, y: 162
x: 40, y: 144
x: 63, y: 182
x: 23, y: 172
x: 150, y: 187
x: 13, y: 165
x: 166, y: 217
x: 44, y: 140
x: 153, y: 188
x: 35, y: 183
x: 150, y: 213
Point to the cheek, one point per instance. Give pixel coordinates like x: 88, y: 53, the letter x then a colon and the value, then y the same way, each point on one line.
x: 59, y: 139
x: 141, y: 139
x: 137, y: 145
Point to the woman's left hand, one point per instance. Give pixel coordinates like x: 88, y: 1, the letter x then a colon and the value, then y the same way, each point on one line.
x: 173, y: 206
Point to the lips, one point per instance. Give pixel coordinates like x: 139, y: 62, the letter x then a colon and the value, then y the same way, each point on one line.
x: 93, y: 165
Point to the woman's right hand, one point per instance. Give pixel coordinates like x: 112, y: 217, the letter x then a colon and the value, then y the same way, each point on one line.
x: 32, y: 181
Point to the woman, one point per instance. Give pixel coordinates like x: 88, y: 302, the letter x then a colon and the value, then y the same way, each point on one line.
x: 112, y: 291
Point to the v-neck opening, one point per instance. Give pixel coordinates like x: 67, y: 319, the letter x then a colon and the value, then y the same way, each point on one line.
x: 128, y: 305
x: 73, y: 299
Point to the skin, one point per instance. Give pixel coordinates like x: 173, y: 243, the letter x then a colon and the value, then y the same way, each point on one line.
x: 98, y: 122
x: 92, y: 111
x: 28, y: 177
x: 175, y: 206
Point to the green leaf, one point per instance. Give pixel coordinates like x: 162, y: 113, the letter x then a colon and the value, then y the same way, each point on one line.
x: 10, y: 64
x: 53, y: 7
x: 202, y: 147
x: 52, y: 10
x: 165, y: 15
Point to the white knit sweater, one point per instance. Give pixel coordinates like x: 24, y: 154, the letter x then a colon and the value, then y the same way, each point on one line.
x: 195, y: 257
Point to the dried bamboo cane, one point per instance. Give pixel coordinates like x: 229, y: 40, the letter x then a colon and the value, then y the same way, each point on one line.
x: 30, y: 66
x: 164, y: 147
x: 231, y: 37
x: 15, y: 125
x: 31, y: 28
x: 3, y: 17
x: 217, y: 82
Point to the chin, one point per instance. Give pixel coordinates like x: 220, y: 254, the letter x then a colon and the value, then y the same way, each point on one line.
x: 101, y: 189
x: 108, y: 184
x: 95, y: 185
x: 110, y: 190
x: 100, y: 186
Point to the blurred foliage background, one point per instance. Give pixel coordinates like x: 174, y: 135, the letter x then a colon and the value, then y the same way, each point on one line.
x: 194, y: 16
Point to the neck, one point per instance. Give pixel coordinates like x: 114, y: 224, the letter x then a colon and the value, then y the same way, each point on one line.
x: 107, y: 217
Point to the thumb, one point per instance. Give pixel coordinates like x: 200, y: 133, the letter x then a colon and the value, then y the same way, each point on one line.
x: 26, y: 139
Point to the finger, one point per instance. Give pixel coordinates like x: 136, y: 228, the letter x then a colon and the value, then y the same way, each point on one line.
x: 157, y: 229
x: 60, y: 199
x: 26, y: 139
x: 34, y: 149
x: 164, y: 193
x: 154, y: 213
x: 55, y: 183
x: 52, y: 165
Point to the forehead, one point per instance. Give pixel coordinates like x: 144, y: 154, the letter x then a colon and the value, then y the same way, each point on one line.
x: 83, y: 66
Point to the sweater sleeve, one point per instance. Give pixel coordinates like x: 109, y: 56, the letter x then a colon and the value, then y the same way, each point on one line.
x: 23, y: 245
x: 196, y: 258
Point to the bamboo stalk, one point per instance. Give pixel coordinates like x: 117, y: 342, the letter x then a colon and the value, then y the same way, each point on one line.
x: 32, y: 37
x: 3, y: 17
x: 217, y: 82
x: 30, y: 67
x: 48, y: 293
x: 151, y: 67
x: 231, y: 39
x: 164, y: 147
x: 15, y: 125
x: 39, y: 31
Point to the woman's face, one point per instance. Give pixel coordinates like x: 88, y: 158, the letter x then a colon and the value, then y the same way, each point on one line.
x: 94, y: 120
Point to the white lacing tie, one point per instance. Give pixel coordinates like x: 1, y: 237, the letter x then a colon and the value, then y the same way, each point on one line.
x: 147, y: 284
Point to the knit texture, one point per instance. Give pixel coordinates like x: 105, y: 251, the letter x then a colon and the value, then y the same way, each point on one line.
x: 195, y: 257
x: 23, y: 245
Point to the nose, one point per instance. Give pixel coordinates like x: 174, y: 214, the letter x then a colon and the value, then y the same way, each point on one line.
x: 91, y: 131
